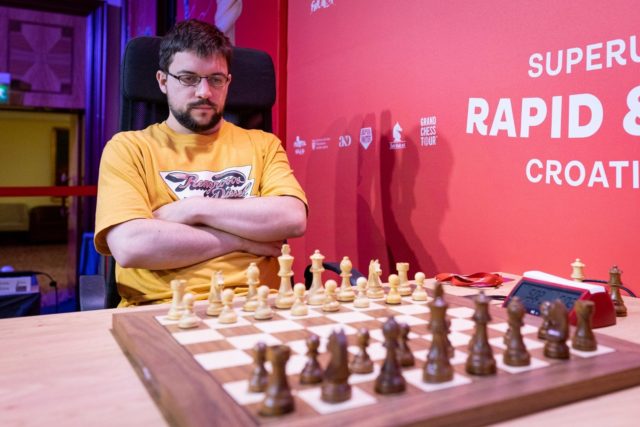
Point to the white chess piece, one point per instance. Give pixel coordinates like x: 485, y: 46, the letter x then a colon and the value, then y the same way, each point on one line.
x: 393, y: 297
x: 361, y: 301
x: 189, y: 319
x: 228, y: 314
x: 284, y: 299
x: 299, y: 308
x: 419, y: 294
x: 374, y: 286
x: 263, y: 311
x: 253, y: 279
x: 346, y: 293
x: 330, y: 303
x: 215, y: 294
x: 177, y: 287
x: 403, y: 275
x: 316, y: 291
x: 577, y: 270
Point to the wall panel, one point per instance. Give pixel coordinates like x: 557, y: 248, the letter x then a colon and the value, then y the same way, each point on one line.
x: 424, y: 132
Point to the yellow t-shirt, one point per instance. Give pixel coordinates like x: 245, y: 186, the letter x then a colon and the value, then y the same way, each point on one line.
x: 141, y: 171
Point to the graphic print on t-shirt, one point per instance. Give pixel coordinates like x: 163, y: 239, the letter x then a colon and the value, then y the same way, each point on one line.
x: 230, y: 183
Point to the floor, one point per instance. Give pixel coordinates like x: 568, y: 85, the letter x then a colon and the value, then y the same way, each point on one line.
x: 46, y: 258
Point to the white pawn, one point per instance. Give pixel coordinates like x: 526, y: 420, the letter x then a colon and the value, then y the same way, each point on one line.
x: 393, y: 297
x: 299, y: 308
x: 228, y: 314
x: 253, y: 279
x: 419, y: 294
x: 263, y: 311
x: 177, y: 307
x: 362, y: 301
x: 215, y: 294
x: 330, y: 303
x: 189, y: 319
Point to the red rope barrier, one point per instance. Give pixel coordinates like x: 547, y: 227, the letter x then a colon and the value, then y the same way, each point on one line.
x: 61, y: 191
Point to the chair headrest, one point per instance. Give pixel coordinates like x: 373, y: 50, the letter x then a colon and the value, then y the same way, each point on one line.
x: 252, y: 84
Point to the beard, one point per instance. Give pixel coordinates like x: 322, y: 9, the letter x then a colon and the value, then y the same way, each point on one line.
x: 185, y: 118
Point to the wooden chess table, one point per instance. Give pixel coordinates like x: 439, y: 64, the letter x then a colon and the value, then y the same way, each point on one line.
x: 199, y: 375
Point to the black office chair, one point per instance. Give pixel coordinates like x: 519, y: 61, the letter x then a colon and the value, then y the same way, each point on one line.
x: 251, y: 96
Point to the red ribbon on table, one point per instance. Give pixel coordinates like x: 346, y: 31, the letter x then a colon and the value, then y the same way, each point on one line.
x: 475, y: 280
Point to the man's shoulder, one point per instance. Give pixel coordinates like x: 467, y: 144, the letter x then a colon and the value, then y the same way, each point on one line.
x: 151, y: 130
x: 137, y: 138
x: 232, y: 127
x: 255, y: 135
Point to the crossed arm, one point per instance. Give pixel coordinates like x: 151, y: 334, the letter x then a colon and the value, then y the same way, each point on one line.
x: 196, y: 229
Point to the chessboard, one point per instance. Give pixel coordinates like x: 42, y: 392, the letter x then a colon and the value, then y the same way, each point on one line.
x: 200, y: 376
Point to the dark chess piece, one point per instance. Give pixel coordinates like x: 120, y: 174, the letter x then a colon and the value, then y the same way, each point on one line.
x: 545, y: 306
x: 361, y: 363
x: 438, y: 369
x: 405, y: 356
x: 516, y: 353
x: 507, y: 336
x: 390, y: 379
x: 438, y: 293
x: 481, y: 360
x: 556, y: 346
x: 583, y: 337
x: 259, y: 376
x: 278, y: 398
x: 615, y: 282
x: 312, y: 371
x: 335, y: 384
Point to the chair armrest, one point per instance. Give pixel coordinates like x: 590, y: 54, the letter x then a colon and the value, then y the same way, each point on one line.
x: 92, y: 292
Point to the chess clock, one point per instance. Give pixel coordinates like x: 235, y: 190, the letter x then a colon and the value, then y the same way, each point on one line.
x: 536, y: 287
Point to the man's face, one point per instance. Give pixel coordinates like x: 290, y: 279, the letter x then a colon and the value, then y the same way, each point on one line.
x: 194, y: 109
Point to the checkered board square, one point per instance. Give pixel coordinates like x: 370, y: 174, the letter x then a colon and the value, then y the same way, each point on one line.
x: 201, y: 373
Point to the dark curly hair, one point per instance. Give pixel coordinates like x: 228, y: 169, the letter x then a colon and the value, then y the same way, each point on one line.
x: 195, y: 36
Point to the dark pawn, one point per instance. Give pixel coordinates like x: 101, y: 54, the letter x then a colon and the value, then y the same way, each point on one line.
x: 481, y: 360
x: 390, y: 379
x: 438, y: 369
x: 312, y: 371
x: 278, y: 399
x: 615, y: 282
x: 583, y: 338
x: 405, y: 356
x: 556, y: 346
x: 335, y: 385
x: 259, y: 376
x: 516, y: 353
x: 545, y: 306
x: 438, y: 294
x: 361, y: 363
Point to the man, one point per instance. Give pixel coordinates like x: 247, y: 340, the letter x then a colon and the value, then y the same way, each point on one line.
x: 194, y: 194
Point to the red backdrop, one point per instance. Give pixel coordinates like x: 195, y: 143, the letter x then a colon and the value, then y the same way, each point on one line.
x: 461, y: 185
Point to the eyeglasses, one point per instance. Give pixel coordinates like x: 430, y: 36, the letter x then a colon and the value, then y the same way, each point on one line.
x: 215, y: 80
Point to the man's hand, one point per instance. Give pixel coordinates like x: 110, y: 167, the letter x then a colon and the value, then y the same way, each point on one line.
x: 249, y: 246
x: 178, y: 211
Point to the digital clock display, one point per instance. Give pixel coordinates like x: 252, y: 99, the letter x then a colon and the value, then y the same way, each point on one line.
x: 532, y: 294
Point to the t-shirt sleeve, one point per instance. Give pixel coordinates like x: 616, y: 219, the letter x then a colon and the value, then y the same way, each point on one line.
x: 278, y: 178
x: 122, y: 193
